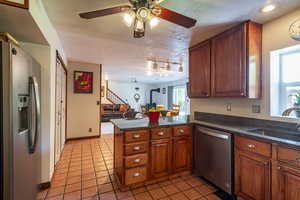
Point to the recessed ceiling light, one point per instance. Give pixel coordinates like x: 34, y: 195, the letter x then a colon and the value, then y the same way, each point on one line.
x: 268, y: 8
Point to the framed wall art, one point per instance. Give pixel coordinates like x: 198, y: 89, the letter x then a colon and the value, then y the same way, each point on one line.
x: 83, y: 82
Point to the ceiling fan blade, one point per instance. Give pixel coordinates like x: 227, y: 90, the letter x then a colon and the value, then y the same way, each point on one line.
x: 104, y: 12
x: 173, y: 17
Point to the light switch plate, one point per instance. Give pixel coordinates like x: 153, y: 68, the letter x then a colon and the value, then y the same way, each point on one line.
x: 255, y: 108
x: 228, y: 107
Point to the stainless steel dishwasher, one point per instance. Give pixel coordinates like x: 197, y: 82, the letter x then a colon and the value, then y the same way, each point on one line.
x: 213, y: 157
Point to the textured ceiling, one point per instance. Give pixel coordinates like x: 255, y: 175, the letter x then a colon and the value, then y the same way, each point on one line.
x: 107, y: 40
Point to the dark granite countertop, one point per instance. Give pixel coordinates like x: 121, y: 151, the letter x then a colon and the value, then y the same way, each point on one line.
x: 124, y: 124
x: 272, y: 132
x: 273, y: 136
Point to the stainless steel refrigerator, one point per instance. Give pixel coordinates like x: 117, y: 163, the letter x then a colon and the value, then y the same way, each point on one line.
x: 20, y: 80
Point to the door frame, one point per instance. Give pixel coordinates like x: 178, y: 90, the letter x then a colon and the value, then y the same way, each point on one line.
x: 100, y: 101
x: 58, y: 57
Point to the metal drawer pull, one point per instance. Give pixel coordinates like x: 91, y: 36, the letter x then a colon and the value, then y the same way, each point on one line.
x: 136, y: 148
x: 137, y: 160
x: 136, y: 174
x: 181, y: 131
x: 160, y: 133
x: 251, y: 146
x: 136, y: 136
x: 298, y: 160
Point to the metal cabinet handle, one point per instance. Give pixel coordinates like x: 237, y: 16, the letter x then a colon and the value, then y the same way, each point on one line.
x: 136, y: 136
x: 137, y: 160
x: 137, y: 148
x: 136, y: 174
x: 160, y: 133
x: 298, y: 160
x: 251, y: 146
x: 181, y: 131
x: 279, y: 168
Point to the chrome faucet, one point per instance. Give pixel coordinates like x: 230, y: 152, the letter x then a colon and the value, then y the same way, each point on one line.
x: 288, y: 111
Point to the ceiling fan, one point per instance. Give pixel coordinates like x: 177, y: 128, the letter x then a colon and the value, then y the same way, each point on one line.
x: 140, y: 12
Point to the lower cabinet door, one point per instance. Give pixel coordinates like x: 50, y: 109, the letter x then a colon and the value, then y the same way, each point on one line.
x: 182, y: 149
x: 252, y: 176
x: 161, y: 154
x: 289, y: 183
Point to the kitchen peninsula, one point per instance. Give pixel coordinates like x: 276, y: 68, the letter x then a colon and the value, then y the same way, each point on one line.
x: 145, y: 152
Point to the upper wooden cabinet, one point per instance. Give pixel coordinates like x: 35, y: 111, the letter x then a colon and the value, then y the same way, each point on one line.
x: 199, y: 73
x: 16, y: 3
x: 229, y: 64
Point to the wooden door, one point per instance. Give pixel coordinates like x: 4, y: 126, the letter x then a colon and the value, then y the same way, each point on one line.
x: 288, y: 182
x: 199, y: 70
x: 60, y: 110
x: 63, y: 108
x: 161, y: 155
x: 252, y: 178
x: 229, y: 71
x: 181, y: 153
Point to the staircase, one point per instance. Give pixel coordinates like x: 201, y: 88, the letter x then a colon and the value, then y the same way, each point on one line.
x: 114, y: 98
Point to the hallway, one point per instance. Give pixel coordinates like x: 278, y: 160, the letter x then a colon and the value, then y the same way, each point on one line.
x: 85, y: 172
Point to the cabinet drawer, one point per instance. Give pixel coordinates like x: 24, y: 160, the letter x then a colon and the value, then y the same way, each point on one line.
x: 135, y: 175
x: 253, y: 146
x: 289, y: 155
x: 182, y: 131
x: 160, y: 133
x: 136, y: 148
x: 136, y: 160
x: 136, y: 136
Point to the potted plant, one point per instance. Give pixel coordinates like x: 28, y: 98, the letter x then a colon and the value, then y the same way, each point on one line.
x: 154, y: 115
x: 297, y: 104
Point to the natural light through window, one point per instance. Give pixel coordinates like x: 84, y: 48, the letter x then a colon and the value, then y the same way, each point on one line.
x: 285, y: 82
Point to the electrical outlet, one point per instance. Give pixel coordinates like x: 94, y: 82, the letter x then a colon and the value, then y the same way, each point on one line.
x: 228, y: 107
x: 90, y: 130
x: 255, y: 108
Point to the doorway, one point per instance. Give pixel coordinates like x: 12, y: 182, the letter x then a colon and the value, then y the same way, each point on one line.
x: 180, y: 98
x: 60, y: 108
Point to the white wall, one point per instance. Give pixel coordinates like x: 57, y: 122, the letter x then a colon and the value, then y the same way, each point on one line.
x: 275, y: 36
x: 127, y: 90
x: 83, y: 112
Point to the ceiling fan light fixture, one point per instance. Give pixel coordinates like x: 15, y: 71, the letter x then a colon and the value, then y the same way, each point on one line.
x: 139, y: 28
x: 153, y: 22
x: 128, y: 18
x: 143, y: 14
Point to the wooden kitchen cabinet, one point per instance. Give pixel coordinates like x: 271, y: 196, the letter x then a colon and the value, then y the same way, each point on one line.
x: 16, y: 3
x: 144, y: 155
x: 286, y: 174
x: 182, y: 149
x: 199, y: 71
x: 288, y: 183
x: 229, y: 70
x: 161, y: 158
x: 252, y: 176
x: 252, y: 169
x: 229, y: 64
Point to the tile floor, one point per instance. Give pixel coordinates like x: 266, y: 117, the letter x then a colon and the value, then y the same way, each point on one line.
x: 85, y: 172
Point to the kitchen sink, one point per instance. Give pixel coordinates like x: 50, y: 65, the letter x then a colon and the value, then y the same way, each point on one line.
x: 284, y: 134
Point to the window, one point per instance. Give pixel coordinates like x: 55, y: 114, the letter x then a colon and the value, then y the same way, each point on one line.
x: 285, y: 79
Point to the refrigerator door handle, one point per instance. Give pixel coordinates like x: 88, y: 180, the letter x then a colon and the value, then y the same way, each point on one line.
x: 36, y: 96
